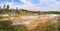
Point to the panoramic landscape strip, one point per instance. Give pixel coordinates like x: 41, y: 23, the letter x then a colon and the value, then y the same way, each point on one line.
x: 26, y: 20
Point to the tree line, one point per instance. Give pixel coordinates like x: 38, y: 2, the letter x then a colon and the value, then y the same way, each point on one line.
x: 6, y: 10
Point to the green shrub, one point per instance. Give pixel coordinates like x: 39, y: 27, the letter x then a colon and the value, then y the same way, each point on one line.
x: 4, y: 25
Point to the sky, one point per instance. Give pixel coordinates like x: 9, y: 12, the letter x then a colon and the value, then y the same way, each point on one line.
x: 33, y: 5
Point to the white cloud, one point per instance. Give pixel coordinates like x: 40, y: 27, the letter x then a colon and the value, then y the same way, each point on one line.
x: 26, y: 1
x: 6, y: 3
x: 28, y: 5
x: 11, y: 4
x: 53, y: 7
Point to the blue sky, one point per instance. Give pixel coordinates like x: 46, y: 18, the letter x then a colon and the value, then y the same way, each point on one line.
x: 35, y: 5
